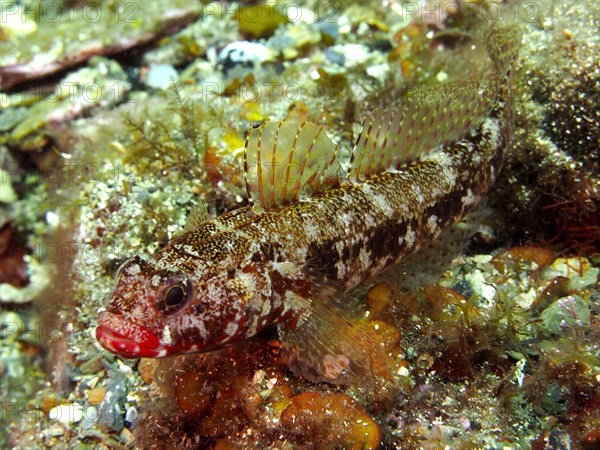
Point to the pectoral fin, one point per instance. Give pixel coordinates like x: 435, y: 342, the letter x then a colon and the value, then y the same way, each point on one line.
x: 333, y: 342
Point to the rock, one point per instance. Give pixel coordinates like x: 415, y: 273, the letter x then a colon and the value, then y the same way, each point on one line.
x: 243, y: 53
x: 90, y: 418
x: 567, y: 312
x: 39, y: 278
x: 96, y: 29
x: 579, y: 271
x: 335, y: 57
x: 67, y: 413
x: 110, y: 410
x: 161, y: 76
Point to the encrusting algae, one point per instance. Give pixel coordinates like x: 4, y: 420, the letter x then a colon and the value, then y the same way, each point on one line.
x: 310, y: 235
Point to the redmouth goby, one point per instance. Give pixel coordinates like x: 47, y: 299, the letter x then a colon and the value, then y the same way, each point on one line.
x: 311, y: 235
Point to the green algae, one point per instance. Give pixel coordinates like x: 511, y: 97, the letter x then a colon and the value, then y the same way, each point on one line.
x: 259, y: 21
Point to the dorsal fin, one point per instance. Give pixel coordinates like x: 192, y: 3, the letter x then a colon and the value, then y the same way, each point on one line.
x: 425, y: 120
x: 283, y: 160
x: 196, y: 217
x: 503, y: 44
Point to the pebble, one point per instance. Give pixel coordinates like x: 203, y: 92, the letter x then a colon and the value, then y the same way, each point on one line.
x: 67, y: 413
x: 378, y: 71
x: 161, y: 76
x: 335, y: 57
x: 53, y: 431
x: 331, y: 29
x: 579, y: 271
x: 464, y: 288
x: 90, y: 418
x: 96, y: 395
x: 570, y: 312
x: 111, y: 407
x: 131, y: 416
x: 243, y: 53
x: 480, y: 285
x: 354, y: 54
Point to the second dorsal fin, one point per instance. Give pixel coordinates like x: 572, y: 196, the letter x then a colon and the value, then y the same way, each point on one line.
x: 424, y: 121
x: 285, y: 159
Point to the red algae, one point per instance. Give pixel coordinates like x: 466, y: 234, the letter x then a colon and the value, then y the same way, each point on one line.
x: 13, y: 269
x: 331, y: 420
x: 192, y: 392
x: 379, y: 298
x: 516, y: 257
x: 242, y: 396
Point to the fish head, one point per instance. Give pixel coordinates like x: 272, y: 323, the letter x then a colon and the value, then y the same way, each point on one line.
x: 158, y: 311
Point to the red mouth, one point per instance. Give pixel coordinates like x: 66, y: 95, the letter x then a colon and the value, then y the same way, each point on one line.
x: 127, y: 339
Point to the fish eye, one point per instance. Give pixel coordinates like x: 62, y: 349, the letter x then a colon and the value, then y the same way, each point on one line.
x: 174, y: 297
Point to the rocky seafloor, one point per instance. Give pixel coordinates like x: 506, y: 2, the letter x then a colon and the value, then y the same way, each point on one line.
x: 121, y: 120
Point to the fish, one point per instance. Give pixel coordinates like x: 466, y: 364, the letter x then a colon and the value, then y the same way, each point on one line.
x: 314, y: 232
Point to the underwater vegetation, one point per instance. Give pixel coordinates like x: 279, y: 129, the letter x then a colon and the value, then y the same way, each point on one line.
x: 489, y: 337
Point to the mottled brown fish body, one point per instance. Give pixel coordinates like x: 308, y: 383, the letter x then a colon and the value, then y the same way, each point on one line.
x: 355, y: 231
